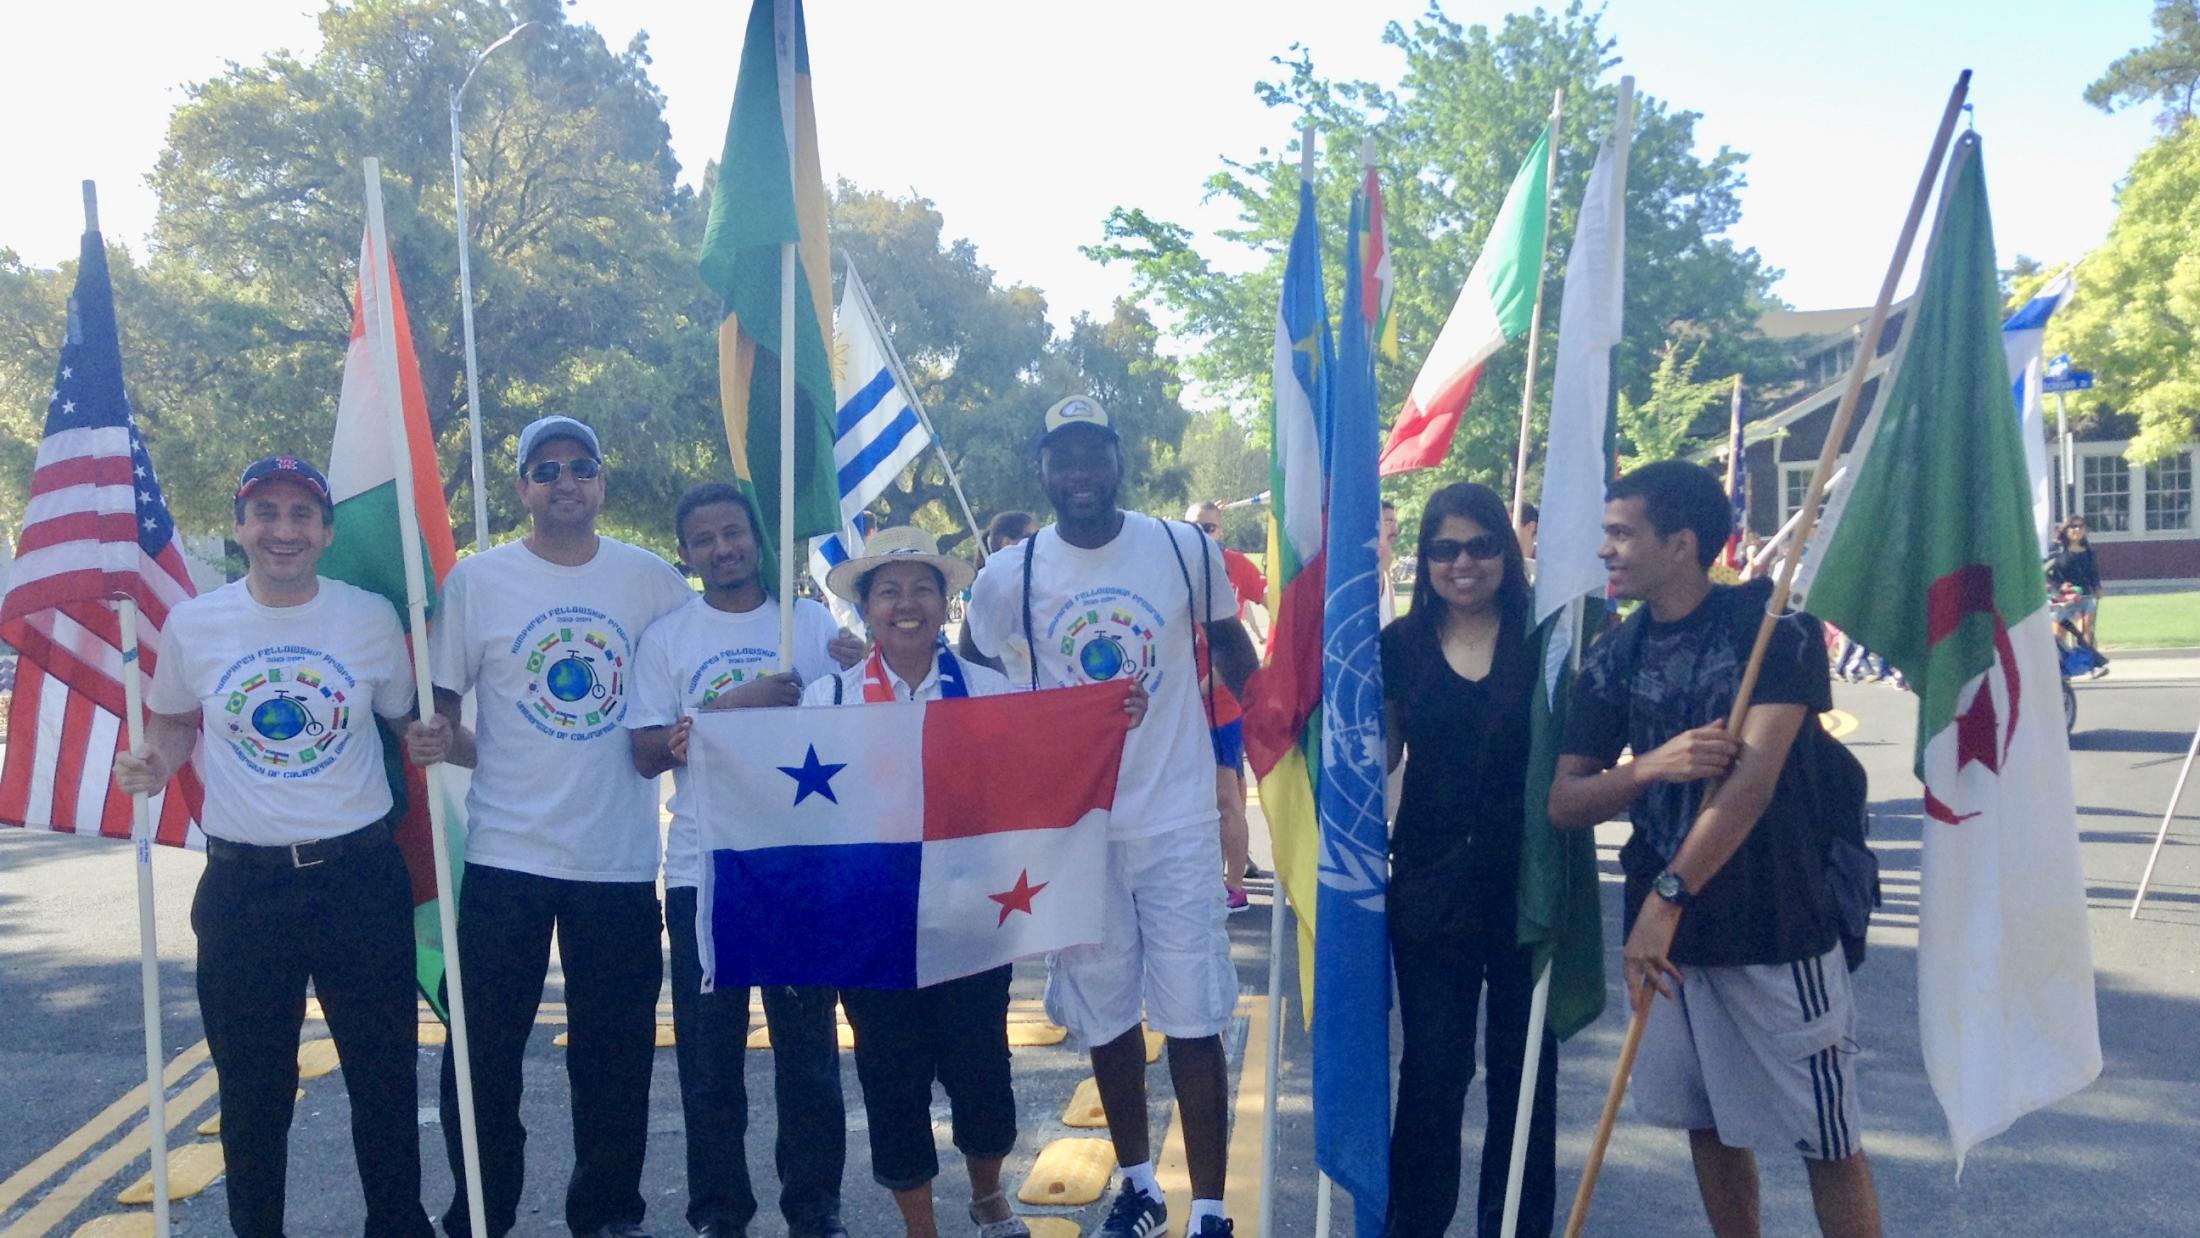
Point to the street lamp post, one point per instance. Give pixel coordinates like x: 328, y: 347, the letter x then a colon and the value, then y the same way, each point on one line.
x: 466, y: 291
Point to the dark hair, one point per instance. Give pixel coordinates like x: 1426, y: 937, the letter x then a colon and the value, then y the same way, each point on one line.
x: 1004, y: 524
x: 1389, y: 506
x: 703, y: 494
x: 863, y: 582
x: 1530, y: 514
x: 1481, y: 505
x: 1679, y: 495
x: 328, y: 514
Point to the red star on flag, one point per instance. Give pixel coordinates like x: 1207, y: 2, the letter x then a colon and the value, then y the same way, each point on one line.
x: 1976, y: 732
x: 1018, y: 899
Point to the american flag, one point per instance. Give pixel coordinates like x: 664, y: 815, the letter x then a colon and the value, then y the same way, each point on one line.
x: 96, y: 530
x: 1737, y: 482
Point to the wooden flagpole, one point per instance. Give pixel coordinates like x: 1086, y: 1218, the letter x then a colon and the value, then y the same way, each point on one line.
x: 375, y: 289
x: 783, y: 50
x: 1843, y: 414
x: 1535, y: 316
x: 141, y: 836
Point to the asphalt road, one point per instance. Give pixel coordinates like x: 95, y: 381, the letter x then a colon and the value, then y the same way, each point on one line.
x: 2115, y: 1159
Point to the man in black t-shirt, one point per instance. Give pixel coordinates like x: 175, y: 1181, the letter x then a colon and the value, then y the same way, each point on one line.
x: 1753, y: 1043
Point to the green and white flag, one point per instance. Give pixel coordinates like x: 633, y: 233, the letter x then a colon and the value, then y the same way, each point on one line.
x: 1929, y: 557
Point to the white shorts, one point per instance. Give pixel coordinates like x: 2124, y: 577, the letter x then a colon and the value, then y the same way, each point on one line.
x: 1163, y: 947
x: 1764, y: 1055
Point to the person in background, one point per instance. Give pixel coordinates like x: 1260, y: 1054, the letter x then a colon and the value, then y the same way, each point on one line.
x: 1226, y: 716
x: 1458, y: 674
x: 2074, y: 570
x: 1008, y: 528
x: 1530, y: 517
x: 1386, y: 547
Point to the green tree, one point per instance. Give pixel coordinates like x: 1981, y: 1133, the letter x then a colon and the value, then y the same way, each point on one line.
x: 1662, y: 425
x: 1225, y: 465
x: 1451, y: 134
x: 2137, y: 310
x: 33, y: 310
x: 2166, y: 71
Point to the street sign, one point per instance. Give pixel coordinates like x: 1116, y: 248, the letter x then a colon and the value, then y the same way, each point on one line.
x: 2068, y: 380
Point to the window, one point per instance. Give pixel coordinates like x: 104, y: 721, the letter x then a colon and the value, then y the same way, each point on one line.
x: 2104, y: 487
x: 1794, y: 484
x: 2169, y: 494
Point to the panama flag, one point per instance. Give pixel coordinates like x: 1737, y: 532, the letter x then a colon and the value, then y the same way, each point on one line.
x: 1283, y: 699
x: 2023, y: 338
x: 1929, y: 556
x: 878, y: 434
x: 369, y: 552
x: 892, y: 846
x: 1493, y: 306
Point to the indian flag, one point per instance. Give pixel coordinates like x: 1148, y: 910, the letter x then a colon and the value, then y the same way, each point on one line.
x: 1930, y: 557
x: 1493, y: 306
x: 770, y: 193
x: 369, y: 552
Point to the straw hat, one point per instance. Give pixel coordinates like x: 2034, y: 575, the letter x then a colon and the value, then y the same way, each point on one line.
x: 906, y: 544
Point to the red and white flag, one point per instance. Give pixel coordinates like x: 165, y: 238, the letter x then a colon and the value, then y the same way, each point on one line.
x: 96, y: 530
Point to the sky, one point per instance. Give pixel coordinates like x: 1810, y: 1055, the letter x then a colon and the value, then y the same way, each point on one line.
x: 1026, y: 122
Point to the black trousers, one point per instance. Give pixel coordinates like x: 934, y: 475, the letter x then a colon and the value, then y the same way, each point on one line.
x: 608, y: 943
x: 955, y: 1032
x: 710, y: 1036
x: 345, y: 924
x: 1439, y: 986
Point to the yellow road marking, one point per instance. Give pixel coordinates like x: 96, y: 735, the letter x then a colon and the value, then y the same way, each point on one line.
x: 316, y: 1058
x: 1248, y: 1133
x: 78, y: 1187
x: 1838, y: 722
x: 191, y: 1169
x: 1069, y: 1173
x: 1154, y: 1041
x: 1032, y: 1033
x: 102, y: 1124
x: 1084, y: 1109
x: 117, y: 1225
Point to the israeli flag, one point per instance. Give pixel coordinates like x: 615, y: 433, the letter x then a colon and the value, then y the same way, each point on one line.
x: 2021, y: 338
x: 877, y: 434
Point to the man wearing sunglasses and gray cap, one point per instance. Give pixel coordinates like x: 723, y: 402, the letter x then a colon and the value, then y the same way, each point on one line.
x: 562, y: 832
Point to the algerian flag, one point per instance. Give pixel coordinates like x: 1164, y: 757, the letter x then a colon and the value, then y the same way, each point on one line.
x: 369, y: 552
x: 1494, y: 306
x: 1930, y: 558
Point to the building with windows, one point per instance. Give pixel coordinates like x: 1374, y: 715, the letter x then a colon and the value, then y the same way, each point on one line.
x: 2141, y: 516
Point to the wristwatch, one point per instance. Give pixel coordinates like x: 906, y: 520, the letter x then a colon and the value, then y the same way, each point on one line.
x: 1669, y: 886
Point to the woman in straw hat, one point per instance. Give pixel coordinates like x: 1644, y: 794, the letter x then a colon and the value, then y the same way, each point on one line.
x: 956, y: 1031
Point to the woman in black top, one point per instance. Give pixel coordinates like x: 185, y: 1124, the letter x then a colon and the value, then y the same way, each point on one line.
x: 1457, y: 672
x: 2073, y: 565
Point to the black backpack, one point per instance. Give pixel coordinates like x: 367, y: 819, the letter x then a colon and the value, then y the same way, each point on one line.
x: 1840, y: 805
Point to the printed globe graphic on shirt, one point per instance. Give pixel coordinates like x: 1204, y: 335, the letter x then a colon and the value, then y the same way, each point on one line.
x: 575, y: 658
x: 1108, y: 633
x: 289, y: 710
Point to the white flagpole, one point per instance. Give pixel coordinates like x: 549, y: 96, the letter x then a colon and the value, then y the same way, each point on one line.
x: 1278, y: 920
x: 1322, y: 1194
x: 141, y: 834
x: 783, y: 48
x: 1535, y: 315
x: 374, y: 292
x: 901, y: 379
x: 2161, y: 836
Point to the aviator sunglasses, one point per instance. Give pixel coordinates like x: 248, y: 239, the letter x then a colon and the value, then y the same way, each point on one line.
x: 1480, y: 546
x: 583, y: 469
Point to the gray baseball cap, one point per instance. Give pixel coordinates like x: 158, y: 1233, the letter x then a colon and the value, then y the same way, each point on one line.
x: 543, y: 429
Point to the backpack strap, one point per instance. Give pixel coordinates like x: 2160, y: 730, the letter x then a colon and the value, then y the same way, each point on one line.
x: 1031, y: 644
x: 1191, y: 603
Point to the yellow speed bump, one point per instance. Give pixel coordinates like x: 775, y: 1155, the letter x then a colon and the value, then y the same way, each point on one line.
x: 1069, y: 1173
x: 191, y: 1169
x: 316, y: 1058
x: 1041, y: 1227
x: 1154, y: 1041
x: 1033, y: 1033
x: 1838, y: 722
x: 1084, y: 1107
x: 761, y: 1038
x: 434, y: 1033
x: 125, y: 1225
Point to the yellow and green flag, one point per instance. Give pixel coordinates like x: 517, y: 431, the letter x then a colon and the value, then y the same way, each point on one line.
x: 770, y: 193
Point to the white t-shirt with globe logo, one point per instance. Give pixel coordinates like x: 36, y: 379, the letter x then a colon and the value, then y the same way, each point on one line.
x: 286, y: 698
x: 549, y: 652
x: 1114, y: 612
x: 691, y: 656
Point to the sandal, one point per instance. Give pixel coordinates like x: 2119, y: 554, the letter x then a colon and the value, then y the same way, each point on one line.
x: 1010, y: 1226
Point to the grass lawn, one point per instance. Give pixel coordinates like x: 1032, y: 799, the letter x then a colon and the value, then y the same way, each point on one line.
x: 2149, y: 620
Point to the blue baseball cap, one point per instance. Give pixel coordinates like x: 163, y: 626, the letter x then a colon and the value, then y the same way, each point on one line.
x: 543, y: 429
x: 284, y: 468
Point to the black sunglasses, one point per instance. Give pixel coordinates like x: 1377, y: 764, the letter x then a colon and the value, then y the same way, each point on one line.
x: 1210, y: 527
x: 1480, y: 546
x: 583, y: 469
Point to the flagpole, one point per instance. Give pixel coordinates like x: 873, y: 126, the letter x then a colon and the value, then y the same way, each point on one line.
x: 901, y: 379
x: 1836, y: 433
x: 1535, y: 315
x: 783, y: 51
x: 141, y: 835
x: 2161, y: 836
x: 374, y: 289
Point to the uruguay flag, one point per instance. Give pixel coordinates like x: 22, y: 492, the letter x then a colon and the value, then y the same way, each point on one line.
x: 878, y: 431
x: 894, y: 846
x: 2021, y: 344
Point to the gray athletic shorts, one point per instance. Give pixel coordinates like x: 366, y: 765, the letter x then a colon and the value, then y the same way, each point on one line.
x: 1765, y: 1055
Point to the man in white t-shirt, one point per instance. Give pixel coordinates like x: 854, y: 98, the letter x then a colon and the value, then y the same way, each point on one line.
x: 561, y: 831
x: 283, y: 673
x: 719, y: 652
x: 1103, y: 594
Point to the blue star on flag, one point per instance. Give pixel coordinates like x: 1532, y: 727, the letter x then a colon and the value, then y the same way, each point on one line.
x: 812, y: 777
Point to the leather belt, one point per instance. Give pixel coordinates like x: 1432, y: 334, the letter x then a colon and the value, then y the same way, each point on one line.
x: 298, y: 855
